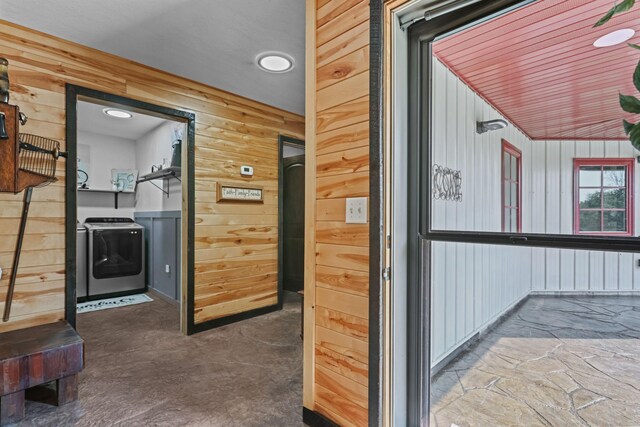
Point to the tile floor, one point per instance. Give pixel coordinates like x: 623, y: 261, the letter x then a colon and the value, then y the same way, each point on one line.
x: 556, y: 361
x: 140, y: 371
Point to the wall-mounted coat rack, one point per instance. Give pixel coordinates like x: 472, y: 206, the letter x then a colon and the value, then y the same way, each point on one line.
x: 26, y: 161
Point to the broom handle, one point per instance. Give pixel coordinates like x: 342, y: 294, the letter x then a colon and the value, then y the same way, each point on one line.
x: 16, y: 258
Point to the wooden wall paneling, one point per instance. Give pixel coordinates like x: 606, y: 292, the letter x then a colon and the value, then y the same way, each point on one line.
x: 232, y: 241
x: 338, y: 124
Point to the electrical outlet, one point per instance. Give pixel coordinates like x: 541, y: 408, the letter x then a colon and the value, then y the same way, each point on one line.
x: 167, y: 269
x: 356, y: 210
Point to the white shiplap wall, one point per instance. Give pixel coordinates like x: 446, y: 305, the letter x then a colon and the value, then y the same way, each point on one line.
x: 569, y: 270
x: 472, y: 285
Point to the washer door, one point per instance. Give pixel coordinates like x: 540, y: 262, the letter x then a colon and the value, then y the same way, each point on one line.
x: 116, y: 253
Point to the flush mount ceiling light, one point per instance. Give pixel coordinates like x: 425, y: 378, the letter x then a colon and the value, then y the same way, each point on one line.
x: 489, y: 125
x: 120, y: 114
x: 614, y: 38
x: 274, y: 62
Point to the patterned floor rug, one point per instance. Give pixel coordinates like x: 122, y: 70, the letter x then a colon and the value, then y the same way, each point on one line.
x: 104, y: 304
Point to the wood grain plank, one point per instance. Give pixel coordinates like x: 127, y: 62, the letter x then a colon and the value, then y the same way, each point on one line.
x: 346, y: 114
x: 342, y: 256
x: 344, y: 91
x: 340, y: 279
x: 352, y: 136
x: 350, y: 304
x: 349, y: 161
x: 352, y: 326
x: 352, y: 185
x: 342, y: 68
x: 342, y: 234
x: 350, y: 41
x: 343, y: 22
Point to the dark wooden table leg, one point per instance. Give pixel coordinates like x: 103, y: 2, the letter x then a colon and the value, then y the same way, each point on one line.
x: 12, y: 408
x: 67, y: 389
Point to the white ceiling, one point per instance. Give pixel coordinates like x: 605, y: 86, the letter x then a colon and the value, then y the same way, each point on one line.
x: 210, y: 41
x: 92, y: 119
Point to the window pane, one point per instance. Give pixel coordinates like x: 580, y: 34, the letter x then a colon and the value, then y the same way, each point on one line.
x: 514, y: 220
x: 507, y: 165
x: 590, y: 176
x: 507, y: 193
x: 614, y: 176
x: 507, y: 219
x: 514, y: 194
x: 514, y: 168
x: 590, y: 198
x: 590, y: 220
x: 615, y: 199
x: 615, y: 221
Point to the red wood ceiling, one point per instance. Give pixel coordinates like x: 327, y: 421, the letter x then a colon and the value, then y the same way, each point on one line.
x: 537, y: 65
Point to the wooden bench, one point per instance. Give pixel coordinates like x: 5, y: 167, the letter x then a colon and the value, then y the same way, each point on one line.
x: 35, y: 356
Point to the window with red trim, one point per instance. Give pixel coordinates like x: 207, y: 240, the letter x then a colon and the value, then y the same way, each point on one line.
x: 511, y: 188
x: 603, y: 196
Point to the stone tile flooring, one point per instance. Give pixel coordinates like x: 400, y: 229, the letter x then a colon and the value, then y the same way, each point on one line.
x: 556, y: 361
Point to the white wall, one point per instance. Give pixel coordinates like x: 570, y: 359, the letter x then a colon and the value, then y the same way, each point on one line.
x: 107, y: 152
x: 472, y: 285
x: 552, y: 190
x: 152, y: 149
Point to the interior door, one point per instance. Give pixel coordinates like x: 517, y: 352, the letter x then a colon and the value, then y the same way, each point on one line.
x: 293, y: 223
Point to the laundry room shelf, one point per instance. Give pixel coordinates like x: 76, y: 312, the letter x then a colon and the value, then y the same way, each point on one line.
x: 106, y: 191
x: 172, y: 172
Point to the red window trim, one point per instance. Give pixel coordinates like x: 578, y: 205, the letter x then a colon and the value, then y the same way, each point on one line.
x: 629, y: 164
x: 511, y: 149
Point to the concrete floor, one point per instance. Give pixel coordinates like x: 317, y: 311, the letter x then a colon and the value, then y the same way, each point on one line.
x: 556, y: 361
x: 140, y: 371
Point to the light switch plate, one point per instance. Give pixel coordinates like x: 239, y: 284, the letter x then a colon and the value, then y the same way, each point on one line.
x: 356, y: 210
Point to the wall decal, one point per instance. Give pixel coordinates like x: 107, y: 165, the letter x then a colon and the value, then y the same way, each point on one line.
x: 446, y: 184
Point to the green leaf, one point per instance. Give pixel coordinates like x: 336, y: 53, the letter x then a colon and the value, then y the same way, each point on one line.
x: 605, y: 18
x: 627, y: 126
x: 624, y: 6
x: 635, y: 46
x: 630, y: 104
x: 634, y: 136
x: 636, y: 77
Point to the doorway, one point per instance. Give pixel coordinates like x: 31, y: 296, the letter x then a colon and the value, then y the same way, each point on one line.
x: 136, y: 196
x: 510, y: 229
x: 291, y: 214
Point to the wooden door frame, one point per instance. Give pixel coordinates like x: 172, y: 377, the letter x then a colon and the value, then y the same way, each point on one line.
x: 282, y: 140
x: 72, y: 95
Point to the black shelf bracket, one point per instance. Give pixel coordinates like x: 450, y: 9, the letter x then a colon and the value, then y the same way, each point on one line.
x: 164, y: 174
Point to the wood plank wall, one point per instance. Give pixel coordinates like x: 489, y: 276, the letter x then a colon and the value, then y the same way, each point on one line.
x: 236, y: 244
x: 341, y: 143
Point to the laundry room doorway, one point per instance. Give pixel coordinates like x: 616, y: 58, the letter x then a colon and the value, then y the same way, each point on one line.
x: 130, y: 215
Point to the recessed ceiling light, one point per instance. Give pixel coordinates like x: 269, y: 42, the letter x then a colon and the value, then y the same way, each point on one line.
x: 614, y: 38
x: 274, y: 62
x: 120, y: 114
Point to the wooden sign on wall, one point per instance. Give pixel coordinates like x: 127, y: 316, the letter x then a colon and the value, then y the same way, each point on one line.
x: 234, y: 193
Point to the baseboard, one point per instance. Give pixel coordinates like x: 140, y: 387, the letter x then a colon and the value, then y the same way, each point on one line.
x: 481, y: 333
x: 583, y: 293
x: 163, y: 297
x: 215, y: 323
x: 314, y: 419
